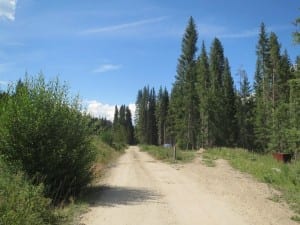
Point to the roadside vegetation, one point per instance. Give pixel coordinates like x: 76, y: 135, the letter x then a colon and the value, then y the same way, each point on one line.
x: 50, y: 151
x: 281, y: 176
x: 167, y: 154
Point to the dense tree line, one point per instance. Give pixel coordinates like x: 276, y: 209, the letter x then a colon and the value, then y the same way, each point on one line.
x: 205, y: 109
x: 122, y: 127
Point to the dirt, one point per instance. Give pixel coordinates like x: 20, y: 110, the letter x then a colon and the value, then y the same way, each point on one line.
x: 141, y: 190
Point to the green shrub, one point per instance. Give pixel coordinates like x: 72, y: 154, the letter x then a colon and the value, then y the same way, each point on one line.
x: 45, y: 131
x: 22, y: 203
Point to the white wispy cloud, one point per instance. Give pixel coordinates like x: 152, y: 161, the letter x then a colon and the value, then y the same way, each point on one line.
x: 107, y: 67
x: 123, y: 26
x: 2, y: 82
x: 212, y: 30
x: 102, y: 110
x: 8, y: 9
x: 241, y: 34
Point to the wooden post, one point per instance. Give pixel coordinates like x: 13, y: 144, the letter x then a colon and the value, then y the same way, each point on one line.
x: 174, y: 152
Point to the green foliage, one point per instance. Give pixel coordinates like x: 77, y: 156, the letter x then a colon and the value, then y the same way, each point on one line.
x: 296, y: 34
x: 184, y: 100
x: 167, y: 154
x: 161, y: 113
x: 203, y: 90
x: 284, y: 177
x: 123, y: 130
x: 245, y: 113
x: 45, y: 131
x: 206, y: 110
x: 21, y: 203
x: 146, y: 122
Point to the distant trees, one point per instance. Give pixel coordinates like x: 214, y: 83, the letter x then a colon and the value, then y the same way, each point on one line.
x: 122, y: 127
x: 146, y: 123
x: 161, y: 114
x: 205, y: 109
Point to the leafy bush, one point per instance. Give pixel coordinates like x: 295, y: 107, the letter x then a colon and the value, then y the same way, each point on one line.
x: 21, y: 203
x: 44, y: 131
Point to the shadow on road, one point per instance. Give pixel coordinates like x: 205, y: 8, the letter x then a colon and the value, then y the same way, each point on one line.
x: 110, y: 196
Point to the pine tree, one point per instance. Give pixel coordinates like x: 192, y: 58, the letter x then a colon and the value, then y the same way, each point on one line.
x: 245, y: 113
x: 151, y: 120
x: 229, y: 108
x: 141, y: 115
x: 263, y: 113
x: 184, y: 99
x: 146, y: 127
x: 296, y: 34
x: 129, y: 127
x: 162, y: 106
x: 217, y: 64
x: 203, y: 90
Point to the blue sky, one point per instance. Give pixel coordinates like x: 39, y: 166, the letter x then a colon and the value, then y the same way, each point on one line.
x: 107, y: 50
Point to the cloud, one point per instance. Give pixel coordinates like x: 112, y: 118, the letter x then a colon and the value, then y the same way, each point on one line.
x: 107, y: 67
x: 8, y: 9
x: 99, y: 109
x: 123, y: 26
x: 132, y: 108
x: 2, y: 82
x: 211, y: 30
x: 241, y: 34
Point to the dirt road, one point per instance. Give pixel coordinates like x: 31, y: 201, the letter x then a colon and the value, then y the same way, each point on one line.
x: 139, y: 190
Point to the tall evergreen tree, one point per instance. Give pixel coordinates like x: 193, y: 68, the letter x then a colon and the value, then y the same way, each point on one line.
x: 217, y: 65
x: 245, y: 113
x: 229, y: 108
x: 146, y: 128
x: 203, y: 89
x: 185, y: 98
x: 296, y: 34
x: 151, y: 120
x: 129, y: 126
x: 162, y: 106
x: 263, y: 112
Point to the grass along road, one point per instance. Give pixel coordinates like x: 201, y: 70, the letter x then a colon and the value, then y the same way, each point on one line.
x: 141, y: 190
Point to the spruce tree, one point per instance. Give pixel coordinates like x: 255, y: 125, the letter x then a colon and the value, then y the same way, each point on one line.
x: 151, y: 119
x: 263, y: 112
x: 217, y: 64
x: 229, y: 108
x: 245, y: 113
x: 162, y: 106
x: 185, y: 99
x: 203, y: 90
x: 129, y: 126
x: 146, y: 127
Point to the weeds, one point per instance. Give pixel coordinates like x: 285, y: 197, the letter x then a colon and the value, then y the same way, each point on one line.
x: 167, y: 154
x: 283, y: 177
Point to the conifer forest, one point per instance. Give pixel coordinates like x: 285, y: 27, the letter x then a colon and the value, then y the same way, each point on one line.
x: 205, y: 108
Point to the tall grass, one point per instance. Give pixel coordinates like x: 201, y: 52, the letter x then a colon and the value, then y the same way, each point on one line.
x: 283, y: 177
x: 167, y: 154
x: 22, y: 203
